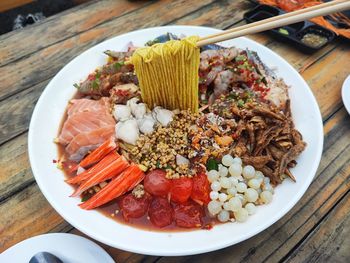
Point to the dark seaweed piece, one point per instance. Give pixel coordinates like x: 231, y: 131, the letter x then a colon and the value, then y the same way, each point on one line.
x: 254, y: 57
x: 211, y: 47
x: 162, y: 39
x: 169, y: 36
x: 212, y: 164
x: 118, y: 55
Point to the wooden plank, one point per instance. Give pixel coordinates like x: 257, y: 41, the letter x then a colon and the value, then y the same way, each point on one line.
x: 26, y: 215
x: 17, y: 110
x: 298, y: 59
x: 326, y: 78
x: 330, y: 240
x: 220, y: 14
x: 117, y: 254
x: 14, y: 166
x: 10, y: 4
x: 45, y: 63
x: 62, y: 26
x: 277, y: 241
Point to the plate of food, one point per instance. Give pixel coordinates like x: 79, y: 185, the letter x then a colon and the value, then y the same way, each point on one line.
x: 149, y: 144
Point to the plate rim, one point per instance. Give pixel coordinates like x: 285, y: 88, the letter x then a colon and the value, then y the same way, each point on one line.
x: 345, y: 90
x: 100, y: 238
x: 48, y: 236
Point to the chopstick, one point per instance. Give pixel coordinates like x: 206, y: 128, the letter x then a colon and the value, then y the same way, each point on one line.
x: 275, y: 18
x: 277, y: 21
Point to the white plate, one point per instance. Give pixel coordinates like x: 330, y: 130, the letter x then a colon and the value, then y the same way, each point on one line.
x: 67, y: 247
x: 345, y: 93
x: 46, y: 120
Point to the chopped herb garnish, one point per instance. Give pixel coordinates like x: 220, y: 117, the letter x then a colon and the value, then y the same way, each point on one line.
x: 212, y: 164
x: 240, y: 103
x: 85, y: 198
x: 241, y: 58
x: 152, y: 42
x: 248, y: 94
x: 95, y: 85
x: 283, y: 31
x: 158, y: 164
x: 232, y: 96
x: 98, y: 75
x: 118, y: 65
x: 76, y: 85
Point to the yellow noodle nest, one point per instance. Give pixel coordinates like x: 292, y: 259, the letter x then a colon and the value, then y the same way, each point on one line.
x: 168, y: 73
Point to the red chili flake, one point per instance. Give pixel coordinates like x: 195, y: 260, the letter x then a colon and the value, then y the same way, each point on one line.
x: 91, y: 76
x: 202, y: 88
x: 122, y: 93
x: 208, y: 226
x: 54, y: 161
x: 234, y: 136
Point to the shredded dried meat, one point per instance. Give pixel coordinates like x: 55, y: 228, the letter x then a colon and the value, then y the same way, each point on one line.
x: 265, y: 136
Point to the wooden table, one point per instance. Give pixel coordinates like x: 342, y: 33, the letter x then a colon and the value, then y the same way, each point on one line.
x: 317, y: 229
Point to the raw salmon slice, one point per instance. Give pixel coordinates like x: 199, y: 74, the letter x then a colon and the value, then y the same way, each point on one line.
x: 84, y: 142
x: 82, y: 122
x: 87, y: 105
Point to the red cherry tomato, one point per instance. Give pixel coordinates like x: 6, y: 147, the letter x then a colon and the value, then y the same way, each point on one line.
x: 156, y: 184
x: 181, y: 189
x: 201, y: 189
x: 160, y: 212
x: 188, y: 215
x: 133, y: 207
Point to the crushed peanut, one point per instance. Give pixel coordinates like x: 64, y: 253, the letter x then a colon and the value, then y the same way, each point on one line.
x: 138, y: 191
x: 159, y: 149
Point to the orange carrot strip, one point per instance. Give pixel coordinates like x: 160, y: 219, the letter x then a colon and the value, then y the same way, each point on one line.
x: 74, y: 168
x: 111, y: 157
x: 107, y: 172
x: 99, y: 153
x: 121, y: 184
